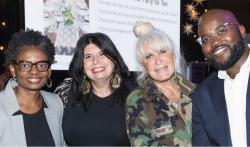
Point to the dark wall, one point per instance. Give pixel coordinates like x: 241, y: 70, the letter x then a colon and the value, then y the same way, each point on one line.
x: 190, y: 49
x: 241, y: 8
x: 11, y: 12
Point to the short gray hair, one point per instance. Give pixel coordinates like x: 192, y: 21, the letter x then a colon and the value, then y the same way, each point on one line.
x: 156, y: 40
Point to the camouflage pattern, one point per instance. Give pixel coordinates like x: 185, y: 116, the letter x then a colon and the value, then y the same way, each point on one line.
x: 153, y: 121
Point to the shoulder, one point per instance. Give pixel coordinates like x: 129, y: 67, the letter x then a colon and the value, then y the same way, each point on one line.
x: 51, y: 99
x: 130, y: 84
x: 208, y: 82
x: 48, y: 94
x: 2, y: 93
x: 2, y: 98
x: 63, y: 90
x: 134, y: 98
x: 187, y: 87
x: 7, y: 94
x: 64, y: 85
x: 207, y: 87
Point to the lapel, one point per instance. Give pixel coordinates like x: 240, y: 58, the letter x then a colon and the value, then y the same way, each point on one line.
x: 15, y: 122
x: 216, y: 90
x: 248, y: 112
x: 53, y: 114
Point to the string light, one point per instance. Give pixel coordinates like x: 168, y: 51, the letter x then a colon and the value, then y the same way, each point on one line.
x: 1, y: 48
x: 3, y: 23
x: 193, y: 14
x: 199, y: 2
x: 189, y: 8
x: 188, y: 29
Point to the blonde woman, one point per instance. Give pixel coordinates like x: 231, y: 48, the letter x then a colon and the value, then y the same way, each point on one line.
x: 159, y: 110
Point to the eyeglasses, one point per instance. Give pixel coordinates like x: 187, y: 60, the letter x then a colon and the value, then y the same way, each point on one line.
x: 219, y: 32
x: 26, y: 66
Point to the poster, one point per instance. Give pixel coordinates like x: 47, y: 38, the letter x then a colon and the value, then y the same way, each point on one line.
x: 64, y: 21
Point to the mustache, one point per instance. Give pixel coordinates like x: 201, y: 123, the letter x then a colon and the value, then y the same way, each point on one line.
x: 237, y: 51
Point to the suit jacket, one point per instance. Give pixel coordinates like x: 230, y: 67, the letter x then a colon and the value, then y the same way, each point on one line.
x: 11, y: 126
x: 210, y: 124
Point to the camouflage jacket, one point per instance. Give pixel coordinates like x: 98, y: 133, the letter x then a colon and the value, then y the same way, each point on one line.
x: 153, y: 121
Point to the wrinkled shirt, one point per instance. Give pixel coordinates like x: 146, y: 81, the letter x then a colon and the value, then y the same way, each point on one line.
x: 153, y: 121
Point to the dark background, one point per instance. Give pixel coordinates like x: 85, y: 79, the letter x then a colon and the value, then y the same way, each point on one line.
x: 12, y: 13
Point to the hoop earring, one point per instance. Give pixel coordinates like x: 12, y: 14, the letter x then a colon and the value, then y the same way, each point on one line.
x: 14, y: 80
x: 115, y: 83
x: 49, y: 83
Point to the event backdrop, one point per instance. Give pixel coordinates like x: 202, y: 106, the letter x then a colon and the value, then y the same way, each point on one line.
x: 65, y: 20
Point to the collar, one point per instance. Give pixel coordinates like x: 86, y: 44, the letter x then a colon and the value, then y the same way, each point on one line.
x: 19, y: 112
x: 150, y: 90
x: 10, y: 99
x: 222, y: 74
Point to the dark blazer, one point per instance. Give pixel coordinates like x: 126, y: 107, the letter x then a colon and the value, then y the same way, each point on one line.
x: 210, y: 124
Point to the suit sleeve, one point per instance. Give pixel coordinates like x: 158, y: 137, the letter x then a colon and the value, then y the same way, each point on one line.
x: 199, y: 135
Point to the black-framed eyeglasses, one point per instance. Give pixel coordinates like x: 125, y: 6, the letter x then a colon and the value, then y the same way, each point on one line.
x: 219, y: 32
x: 26, y: 66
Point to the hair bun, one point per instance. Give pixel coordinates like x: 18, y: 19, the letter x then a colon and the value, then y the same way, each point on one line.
x: 142, y: 27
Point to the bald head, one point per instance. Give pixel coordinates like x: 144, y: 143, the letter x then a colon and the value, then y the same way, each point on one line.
x: 222, y: 39
x: 214, y: 16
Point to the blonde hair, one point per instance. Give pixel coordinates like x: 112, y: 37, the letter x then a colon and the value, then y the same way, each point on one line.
x: 156, y: 40
x: 142, y: 27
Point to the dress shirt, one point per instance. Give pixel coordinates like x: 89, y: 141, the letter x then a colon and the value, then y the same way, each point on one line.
x: 235, y: 94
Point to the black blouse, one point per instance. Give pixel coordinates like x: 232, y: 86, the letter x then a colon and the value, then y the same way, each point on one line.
x: 103, y: 124
x: 37, y: 131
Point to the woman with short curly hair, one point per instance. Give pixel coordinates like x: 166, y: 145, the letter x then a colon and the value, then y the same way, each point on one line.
x: 29, y: 115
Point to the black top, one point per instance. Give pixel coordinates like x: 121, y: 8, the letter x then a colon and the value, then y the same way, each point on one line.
x: 102, y: 125
x: 37, y: 131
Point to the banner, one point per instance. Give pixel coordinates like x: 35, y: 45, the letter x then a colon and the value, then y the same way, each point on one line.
x: 64, y: 21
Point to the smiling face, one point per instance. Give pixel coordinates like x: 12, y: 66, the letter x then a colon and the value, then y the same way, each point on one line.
x: 159, y: 64
x: 221, y: 34
x: 97, y: 66
x: 30, y: 80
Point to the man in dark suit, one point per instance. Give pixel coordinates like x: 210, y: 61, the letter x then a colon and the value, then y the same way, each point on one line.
x: 221, y: 104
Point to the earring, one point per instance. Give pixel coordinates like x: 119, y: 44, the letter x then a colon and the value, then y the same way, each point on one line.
x: 49, y: 83
x: 116, y: 81
x: 86, y: 85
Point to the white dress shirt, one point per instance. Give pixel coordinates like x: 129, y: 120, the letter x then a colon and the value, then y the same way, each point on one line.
x: 235, y: 94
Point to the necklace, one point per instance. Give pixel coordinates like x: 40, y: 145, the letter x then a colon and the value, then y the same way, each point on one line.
x: 176, y: 104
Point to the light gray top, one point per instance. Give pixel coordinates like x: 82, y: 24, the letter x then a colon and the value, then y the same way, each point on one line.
x: 12, y: 128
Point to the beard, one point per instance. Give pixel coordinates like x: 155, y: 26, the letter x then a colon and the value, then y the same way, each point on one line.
x: 237, y: 51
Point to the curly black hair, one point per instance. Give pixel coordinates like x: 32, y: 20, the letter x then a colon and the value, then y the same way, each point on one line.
x: 26, y: 39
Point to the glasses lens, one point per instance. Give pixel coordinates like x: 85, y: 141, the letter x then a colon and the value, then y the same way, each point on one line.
x: 199, y: 40
x: 42, y: 66
x: 219, y: 32
x: 24, y: 66
x: 222, y: 30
